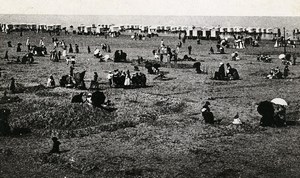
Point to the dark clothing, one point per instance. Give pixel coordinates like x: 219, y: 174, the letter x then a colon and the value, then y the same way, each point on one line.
x: 77, y: 48
x: 190, y: 49
x: 207, y: 115
x: 221, y: 72
x: 71, y: 70
x: 55, y: 148
x: 89, y: 49
x: 70, y: 49
x: 12, y: 86
x: 6, y: 55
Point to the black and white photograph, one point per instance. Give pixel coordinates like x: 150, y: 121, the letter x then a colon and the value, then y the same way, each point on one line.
x: 154, y: 89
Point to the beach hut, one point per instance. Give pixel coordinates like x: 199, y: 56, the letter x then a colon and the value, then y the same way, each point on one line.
x: 168, y: 28
x: 100, y: 30
x: 57, y: 27
x: 23, y: 26
x: 50, y: 27
x: 276, y: 32
x: 16, y: 26
x: 206, y: 33
x: 42, y: 27
x: 114, y: 28
x: 214, y: 33
x: 80, y: 29
x: 174, y: 29
x: 251, y: 30
x: 152, y: 30
x: 223, y: 30
x: 87, y: 30
x: 238, y: 30
x: 144, y: 28
x: 230, y: 30
x: 71, y: 28
x: 258, y: 30
x: 269, y: 30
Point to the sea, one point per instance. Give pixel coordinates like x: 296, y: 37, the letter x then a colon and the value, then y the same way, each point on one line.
x: 289, y: 23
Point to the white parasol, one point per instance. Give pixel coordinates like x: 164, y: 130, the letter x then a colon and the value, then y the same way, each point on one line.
x: 281, y: 56
x: 96, y: 51
x: 279, y: 101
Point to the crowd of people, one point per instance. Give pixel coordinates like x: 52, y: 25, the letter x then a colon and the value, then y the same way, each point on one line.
x: 127, y: 80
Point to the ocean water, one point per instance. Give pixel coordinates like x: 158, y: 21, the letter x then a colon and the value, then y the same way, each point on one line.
x: 203, y: 21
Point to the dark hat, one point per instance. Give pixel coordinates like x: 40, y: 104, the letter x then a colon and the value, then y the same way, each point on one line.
x: 207, y: 103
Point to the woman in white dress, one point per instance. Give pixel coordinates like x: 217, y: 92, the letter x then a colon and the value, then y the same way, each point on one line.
x: 127, y: 79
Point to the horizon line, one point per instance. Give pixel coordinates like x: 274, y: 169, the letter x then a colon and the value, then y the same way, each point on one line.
x: 153, y: 15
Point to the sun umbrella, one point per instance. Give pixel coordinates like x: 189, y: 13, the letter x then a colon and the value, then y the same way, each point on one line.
x: 279, y: 101
x: 96, y: 51
x: 281, y: 56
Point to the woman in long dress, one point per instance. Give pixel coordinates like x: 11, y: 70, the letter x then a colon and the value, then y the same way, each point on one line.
x: 127, y: 79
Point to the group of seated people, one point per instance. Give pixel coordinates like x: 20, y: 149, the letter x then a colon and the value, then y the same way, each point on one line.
x: 275, y: 73
x: 226, y: 74
x: 235, y: 56
x: 264, y: 58
x: 120, y: 56
x: 125, y: 79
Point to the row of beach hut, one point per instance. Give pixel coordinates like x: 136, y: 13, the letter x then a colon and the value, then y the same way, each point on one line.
x: 190, y: 31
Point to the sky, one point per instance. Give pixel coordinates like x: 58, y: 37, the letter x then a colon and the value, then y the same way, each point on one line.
x: 153, y: 7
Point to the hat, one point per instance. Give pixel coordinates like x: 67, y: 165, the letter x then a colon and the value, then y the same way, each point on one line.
x: 207, y: 103
x: 221, y: 63
x: 109, y: 72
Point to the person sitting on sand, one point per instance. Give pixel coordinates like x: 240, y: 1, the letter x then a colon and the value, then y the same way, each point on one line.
x: 280, y: 116
x: 207, y: 115
x: 211, y: 50
x: 51, y: 82
x: 55, y: 147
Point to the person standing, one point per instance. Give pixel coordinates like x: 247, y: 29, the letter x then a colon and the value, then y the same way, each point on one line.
x: 89, y: 49
x: 286, y: 71
x: 64, y: 53
x: 110, y: 78
x: 162, y: 44
x: 76, y: 48
x: 42, y: 42
x: 19, y: 47
x: 190, y: 49
x: 59, y: 55
x: 6, y: 55
x: 70, y: 49
x: 28, y: 44
x: 12, y: 86
x: 71, y: 71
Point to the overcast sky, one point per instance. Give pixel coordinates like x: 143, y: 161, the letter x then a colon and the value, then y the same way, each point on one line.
x: 153, y: 7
